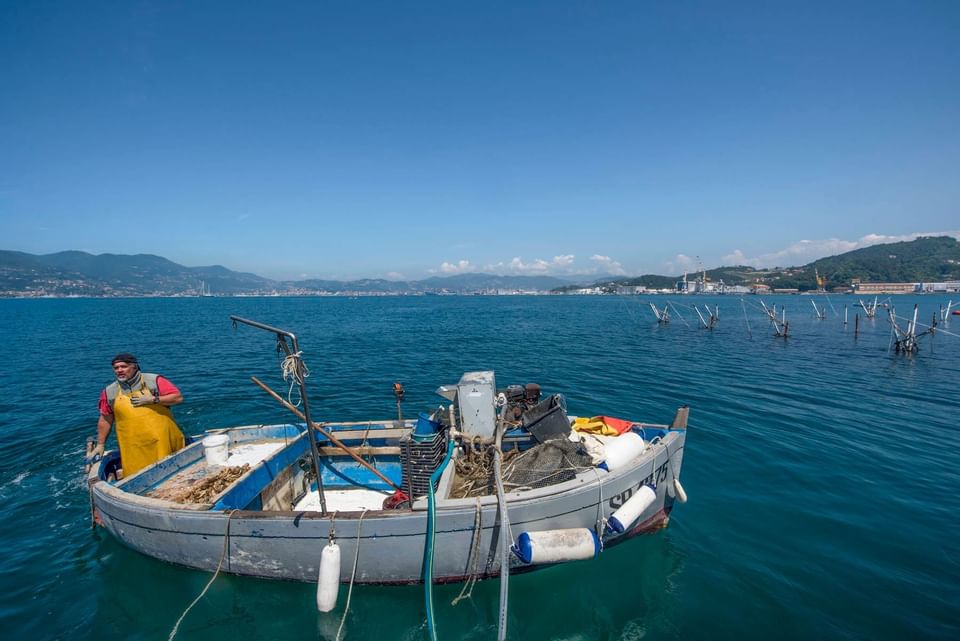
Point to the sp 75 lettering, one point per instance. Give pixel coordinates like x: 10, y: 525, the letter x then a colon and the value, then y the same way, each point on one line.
x: 658, y: 476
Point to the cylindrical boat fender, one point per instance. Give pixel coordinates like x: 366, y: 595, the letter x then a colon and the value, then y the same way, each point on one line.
x: 681, y: 495
x: 619, y: 451
x: 630, y: 511
x: 328, y: 581
x: 553, y: 546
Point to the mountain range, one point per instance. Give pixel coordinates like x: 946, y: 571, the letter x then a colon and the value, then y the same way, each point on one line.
x: 76, y: 273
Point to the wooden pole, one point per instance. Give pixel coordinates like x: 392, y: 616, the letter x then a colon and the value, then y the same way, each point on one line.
x: 330, y: 437
x: 856, y: 325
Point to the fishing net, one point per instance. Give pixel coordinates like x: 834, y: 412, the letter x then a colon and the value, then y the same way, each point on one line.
x: 549, y: 463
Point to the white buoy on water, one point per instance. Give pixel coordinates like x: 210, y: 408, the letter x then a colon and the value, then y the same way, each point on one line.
x: 552, y: 546
x: 328, y: 581
x: 619, y: 451
x: 630, y: 511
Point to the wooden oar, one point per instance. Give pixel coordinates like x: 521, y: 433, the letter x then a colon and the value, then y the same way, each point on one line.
x: 333, y: 439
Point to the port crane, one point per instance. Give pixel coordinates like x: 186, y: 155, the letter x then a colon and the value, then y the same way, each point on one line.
x: 821, y: 280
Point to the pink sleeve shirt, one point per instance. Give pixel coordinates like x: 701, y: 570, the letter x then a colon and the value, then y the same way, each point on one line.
x: 164, y: 387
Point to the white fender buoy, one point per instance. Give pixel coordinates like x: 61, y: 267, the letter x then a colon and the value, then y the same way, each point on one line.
x: 619, y: 451
x: 328, y: 581
x: 552, y: 546
x: 679, y: 491
x: 630, y: 511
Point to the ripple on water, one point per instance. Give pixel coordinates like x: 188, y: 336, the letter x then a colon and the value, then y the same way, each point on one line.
x: 821, y: 470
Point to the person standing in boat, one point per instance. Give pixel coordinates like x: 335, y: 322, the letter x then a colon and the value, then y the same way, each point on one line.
x: 139, y: 404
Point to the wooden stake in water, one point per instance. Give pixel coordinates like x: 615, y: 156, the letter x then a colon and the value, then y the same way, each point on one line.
x: 907, y: 341
x: 782, y: 327
x: 871, y: 310
x: 714, y: 316
x: 856, y: 325
x: 821, y: 313
x: 771, y: 313
x: 663, y: 317
x: 844, y: 314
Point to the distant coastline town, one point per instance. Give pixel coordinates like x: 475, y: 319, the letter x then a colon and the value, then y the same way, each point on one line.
x: 67, y: 289
x: 926, y: 265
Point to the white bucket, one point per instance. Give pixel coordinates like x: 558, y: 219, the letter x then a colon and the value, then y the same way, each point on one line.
x: 216, y: 449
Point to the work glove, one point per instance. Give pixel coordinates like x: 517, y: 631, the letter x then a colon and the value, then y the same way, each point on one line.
x: 143, y: 399
x: 95, y: 455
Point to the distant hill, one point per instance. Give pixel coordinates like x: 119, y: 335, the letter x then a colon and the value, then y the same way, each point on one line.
x: 460, y: 283
x: 926, y: 259
x: 492, y: 281
x: 83, y: 274
x: 76, y: 273
x: 653, y: 281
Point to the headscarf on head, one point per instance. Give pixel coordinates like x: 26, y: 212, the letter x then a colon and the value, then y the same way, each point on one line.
x: 134, y: 381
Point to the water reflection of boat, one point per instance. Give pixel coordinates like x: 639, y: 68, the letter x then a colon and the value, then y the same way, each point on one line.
x: 492, y: 482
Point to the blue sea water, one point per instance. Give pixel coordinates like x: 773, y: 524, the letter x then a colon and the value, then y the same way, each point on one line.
x: 823, y: 471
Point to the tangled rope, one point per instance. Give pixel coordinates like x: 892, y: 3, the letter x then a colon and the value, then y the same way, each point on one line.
x: 552, y: 462
x: 295, y: 371
x: 475, y: 471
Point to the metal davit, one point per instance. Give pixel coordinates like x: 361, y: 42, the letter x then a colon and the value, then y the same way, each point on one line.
x: 292, y: 351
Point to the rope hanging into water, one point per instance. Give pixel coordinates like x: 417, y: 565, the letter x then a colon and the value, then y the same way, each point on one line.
x: 677, y: 312
x: 467, y: 590
x: 226, y: 545
x: 601, y: 524
x: 353, y: 574
x: 938, y: 328
x: 744, y: 305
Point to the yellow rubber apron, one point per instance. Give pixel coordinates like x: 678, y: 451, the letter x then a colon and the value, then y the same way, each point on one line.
x: 146, y: 434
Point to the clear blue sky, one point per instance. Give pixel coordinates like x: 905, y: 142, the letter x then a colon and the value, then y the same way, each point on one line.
x: 403, y: 139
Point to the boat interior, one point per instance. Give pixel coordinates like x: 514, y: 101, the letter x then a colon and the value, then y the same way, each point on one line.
x: 272, y: 470
x: 269, y: 468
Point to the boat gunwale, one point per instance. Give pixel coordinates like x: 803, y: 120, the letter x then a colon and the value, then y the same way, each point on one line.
x: 582, y: 482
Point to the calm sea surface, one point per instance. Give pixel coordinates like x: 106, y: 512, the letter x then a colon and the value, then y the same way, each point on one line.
x: 823, y: 471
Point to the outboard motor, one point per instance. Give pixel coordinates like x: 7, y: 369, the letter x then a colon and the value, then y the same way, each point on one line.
x: 531, y: 394
x: 520, y: 399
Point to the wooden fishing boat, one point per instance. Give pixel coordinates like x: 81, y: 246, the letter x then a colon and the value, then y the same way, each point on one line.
x: 497, y: 481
